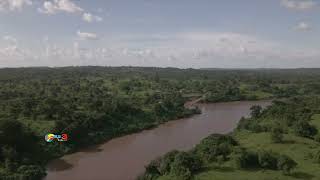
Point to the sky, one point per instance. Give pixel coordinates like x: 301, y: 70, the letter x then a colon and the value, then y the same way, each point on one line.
x: 161, y: 33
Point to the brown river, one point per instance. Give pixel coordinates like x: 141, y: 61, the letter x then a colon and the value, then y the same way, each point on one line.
x: 124, y: 158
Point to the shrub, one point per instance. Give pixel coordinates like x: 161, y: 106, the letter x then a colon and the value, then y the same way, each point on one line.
x: 276, y: 135
x: 286, y: 164
x: 304, y: 129
x: 152, y: 170
x: 31, y: 172
x: 215, y: 146
x: 159, y: 166
x: 184, y: 165
x: 250, y: 124
x: 316, y: 157
x: 256, y: 111
x: 181, y: 173
x: 264, y: 159
x: 165, y: 162
x: 246, y: 160
x: 267, y: 160
x: 317, y: 137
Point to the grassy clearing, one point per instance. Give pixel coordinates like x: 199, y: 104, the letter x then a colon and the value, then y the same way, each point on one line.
x: 258, y: 94
x: 299, y: 149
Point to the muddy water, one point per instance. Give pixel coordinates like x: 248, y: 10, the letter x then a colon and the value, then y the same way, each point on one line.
x: 124, y: 158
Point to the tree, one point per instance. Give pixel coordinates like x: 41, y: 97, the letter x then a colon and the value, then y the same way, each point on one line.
x: 256, y: 111
x: 151, y: 171
x: 267, y: 160
x: 316, y: 157
x: 11, y: 135
x: 31, y: 172
x: 317, y: 137
x: 181, y: 173
x: 250, y: 124
x: 246, y: 159
x: 286, y: 164
x: 214, y: 146
x: 156, y: 77
x: 11, y: 132
x: 276, y: 135
x: 165, y: 163
x: 304, y: 129
x: 184, y: 165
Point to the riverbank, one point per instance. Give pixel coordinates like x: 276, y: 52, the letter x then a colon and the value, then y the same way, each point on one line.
x: 280, y: 142
x: 133, y: 152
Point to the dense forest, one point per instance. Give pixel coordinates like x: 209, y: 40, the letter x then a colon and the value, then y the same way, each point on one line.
x: 95, y: 104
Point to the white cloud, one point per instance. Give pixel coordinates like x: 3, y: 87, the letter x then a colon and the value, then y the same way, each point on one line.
x: 303, y: 26
x: 91, y: 18
x: 55, y: 6
x: 11, y: 54
x: 193, y: 49
x: 87, y: 36
x: 13, y: 5
x: 299, y: 4
x: 10, y: 39
x: 11, y: 51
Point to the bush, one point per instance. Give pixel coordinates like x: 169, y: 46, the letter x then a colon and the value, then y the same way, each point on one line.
x: 184, y: 165
x: 276, y: 135
x: 31, y: 172
x: 317, y: 137
x: 250, y: 124
x: 246, y: 160
x: 186, y: 160
x: 256, y: 111
x: 146, y: 176
x: 151, y: 170
x: 159, y: 166
x: 267, y: 160
x: 215, y: 146
x: 263, y: 159
x: 165, y: 162
x: 286, y: 164
x: 304, y: 129
x: 316, y: 157
x: 181, y: 173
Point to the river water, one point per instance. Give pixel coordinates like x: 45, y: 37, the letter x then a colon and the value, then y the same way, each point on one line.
x: 124, y: 158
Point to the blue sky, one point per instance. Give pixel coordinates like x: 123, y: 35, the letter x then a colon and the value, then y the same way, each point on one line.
x: 175, y: 33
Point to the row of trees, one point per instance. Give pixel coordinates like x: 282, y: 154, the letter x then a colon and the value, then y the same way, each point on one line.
x: 266, y: 160
x: 288, y: 116
x: 217, y: 148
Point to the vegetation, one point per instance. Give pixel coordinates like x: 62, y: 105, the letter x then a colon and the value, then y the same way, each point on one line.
x: 276, y: 135
x: 292, y: 152
x: 95, y: 104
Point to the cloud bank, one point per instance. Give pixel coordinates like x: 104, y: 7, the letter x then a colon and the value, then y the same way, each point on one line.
x: 192, y: 49
x: 300, y: 5
x: 55, y: 6
x: 303, y: 26
x: 87, y: 36
x: 91, y: 18
x: 13, y: 5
